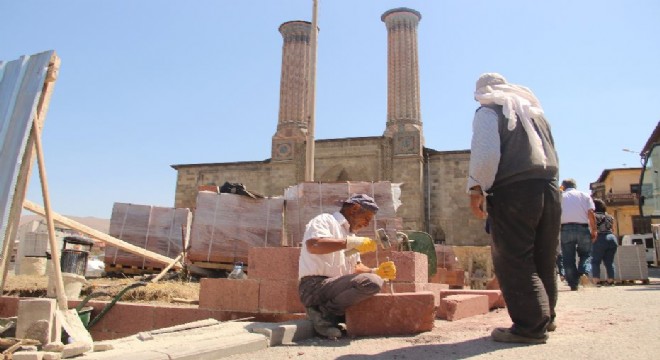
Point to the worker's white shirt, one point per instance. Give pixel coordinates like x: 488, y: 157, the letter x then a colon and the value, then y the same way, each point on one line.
x: 484, y: 150
x: 333, y: 264
x: 575, y: 206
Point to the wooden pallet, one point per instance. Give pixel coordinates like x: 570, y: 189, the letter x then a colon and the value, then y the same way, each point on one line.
x: 218, y: 265
x: 131, y: 269
x: 632, y: 282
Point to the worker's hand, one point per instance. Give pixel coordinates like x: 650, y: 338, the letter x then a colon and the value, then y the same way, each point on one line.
x: 386, y: 270
x: 361, y: 244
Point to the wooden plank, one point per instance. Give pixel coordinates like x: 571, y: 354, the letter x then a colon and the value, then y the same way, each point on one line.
x: 29, y: 205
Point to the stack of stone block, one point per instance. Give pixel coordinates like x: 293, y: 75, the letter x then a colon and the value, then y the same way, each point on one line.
x: 306, y: 200
x: 410, y: 302
x: 157, y: 229
x: 271, y: 286
x: 226, y: 226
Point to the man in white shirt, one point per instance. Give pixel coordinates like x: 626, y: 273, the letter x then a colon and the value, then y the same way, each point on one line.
x: 332, y: 277
x: 578, y: 230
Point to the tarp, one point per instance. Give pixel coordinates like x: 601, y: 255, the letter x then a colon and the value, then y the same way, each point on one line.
x: 21, y: 84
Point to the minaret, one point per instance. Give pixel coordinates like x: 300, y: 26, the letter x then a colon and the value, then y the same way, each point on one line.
x: 404, y: 120
x: 294, y: 90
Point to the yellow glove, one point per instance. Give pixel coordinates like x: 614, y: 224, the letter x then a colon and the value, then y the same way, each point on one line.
x: 360, y: 244
x: 386, y: 270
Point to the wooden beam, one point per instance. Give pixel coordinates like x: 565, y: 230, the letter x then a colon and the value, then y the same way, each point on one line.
x: 121, y: 244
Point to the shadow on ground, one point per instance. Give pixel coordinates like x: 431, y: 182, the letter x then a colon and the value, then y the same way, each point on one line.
x: 461, y: 350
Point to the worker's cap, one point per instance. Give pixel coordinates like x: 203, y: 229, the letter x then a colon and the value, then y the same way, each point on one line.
x: 366, y: 201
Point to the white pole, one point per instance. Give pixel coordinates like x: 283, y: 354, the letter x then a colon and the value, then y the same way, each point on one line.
x: 309, y: 155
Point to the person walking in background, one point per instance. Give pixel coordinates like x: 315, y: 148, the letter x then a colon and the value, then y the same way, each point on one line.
x: 605, y: 246
x: 330, y: 279
x: 578, y: 230
x: 513, y: 178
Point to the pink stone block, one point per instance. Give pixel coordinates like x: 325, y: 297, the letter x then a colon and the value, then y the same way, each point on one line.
x: 279, y: 296
x: 229, y: 294
x: 455, y: 307
x: 495, y: 298
x: 273, y: 263
x: 411, y: 266
x: 396, y: 288
x: 127, y: 318
x: 8, y: 306
x: 387, y: 314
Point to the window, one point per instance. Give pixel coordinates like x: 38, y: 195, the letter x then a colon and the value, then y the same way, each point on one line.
x: 634, y: 189
x: 641, y: 225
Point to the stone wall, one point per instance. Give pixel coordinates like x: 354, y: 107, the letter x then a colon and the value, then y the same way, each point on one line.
x: 449, y: 211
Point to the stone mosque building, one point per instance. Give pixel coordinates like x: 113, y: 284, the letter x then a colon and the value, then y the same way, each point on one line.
x: 433, y: 193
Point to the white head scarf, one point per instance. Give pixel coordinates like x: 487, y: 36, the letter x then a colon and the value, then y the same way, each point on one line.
x: 492, y: 88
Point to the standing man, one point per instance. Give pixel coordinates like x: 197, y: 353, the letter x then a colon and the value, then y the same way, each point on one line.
x: 513, y: 179
x: 578, y: 229
x: 332, y: 279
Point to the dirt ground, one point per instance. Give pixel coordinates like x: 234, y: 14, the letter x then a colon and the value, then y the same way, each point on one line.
x: 161, y: 292
x: 620, y: 322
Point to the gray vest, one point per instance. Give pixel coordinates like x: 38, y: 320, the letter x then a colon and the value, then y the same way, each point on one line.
x: 516, y: 160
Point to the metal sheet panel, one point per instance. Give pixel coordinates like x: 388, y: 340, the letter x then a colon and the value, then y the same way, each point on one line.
x: 21, y: 83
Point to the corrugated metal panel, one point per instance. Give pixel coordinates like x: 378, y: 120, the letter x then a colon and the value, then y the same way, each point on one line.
x: 21, y: 84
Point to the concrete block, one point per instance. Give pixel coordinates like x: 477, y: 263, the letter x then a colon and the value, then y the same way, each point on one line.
x: 273, y: 263
x: 284, y: 333
x: 31, y: 311
x: 280, y: 296
x: 28, y: 355
x: 495, y: 298
x: 387, y: 314
x: 75, y: 349
x: 52, y: 356
x: 411, y: 266
x: 229, y: 294
x: 217, y: 348
x: 455, y: 307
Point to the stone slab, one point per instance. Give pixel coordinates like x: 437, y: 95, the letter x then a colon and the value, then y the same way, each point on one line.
x: 392, y: 314
x: 456, y: 307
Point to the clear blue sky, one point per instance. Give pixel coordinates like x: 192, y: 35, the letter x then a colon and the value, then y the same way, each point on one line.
x: 147, y: 84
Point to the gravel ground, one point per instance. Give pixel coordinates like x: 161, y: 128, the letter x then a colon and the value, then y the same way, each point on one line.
x: 620, y: 322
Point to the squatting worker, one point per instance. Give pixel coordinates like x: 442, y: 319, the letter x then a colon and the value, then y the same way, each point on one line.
x: 513, y: 173
x: 330, y: 279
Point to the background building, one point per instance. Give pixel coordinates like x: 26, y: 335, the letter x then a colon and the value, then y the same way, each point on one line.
x: 433, y: 191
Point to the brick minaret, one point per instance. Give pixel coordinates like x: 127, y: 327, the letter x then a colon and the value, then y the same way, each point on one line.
x: 294, y: 88
x: 403, y: 105
x: 404, y: 122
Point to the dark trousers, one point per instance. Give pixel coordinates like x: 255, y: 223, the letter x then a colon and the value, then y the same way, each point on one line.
x: 334, y: 295
x: 526, y: 218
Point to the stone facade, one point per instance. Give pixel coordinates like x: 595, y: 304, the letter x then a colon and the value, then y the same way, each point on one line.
x: 433, y: 190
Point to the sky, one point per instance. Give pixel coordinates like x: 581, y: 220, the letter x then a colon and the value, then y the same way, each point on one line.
x: 147, y: 84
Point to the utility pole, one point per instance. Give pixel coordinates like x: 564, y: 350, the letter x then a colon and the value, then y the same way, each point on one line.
x: 309, y: 154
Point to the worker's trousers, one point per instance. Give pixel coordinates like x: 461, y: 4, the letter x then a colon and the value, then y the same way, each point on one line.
x: 525, y: 223
x: 333, y: 295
